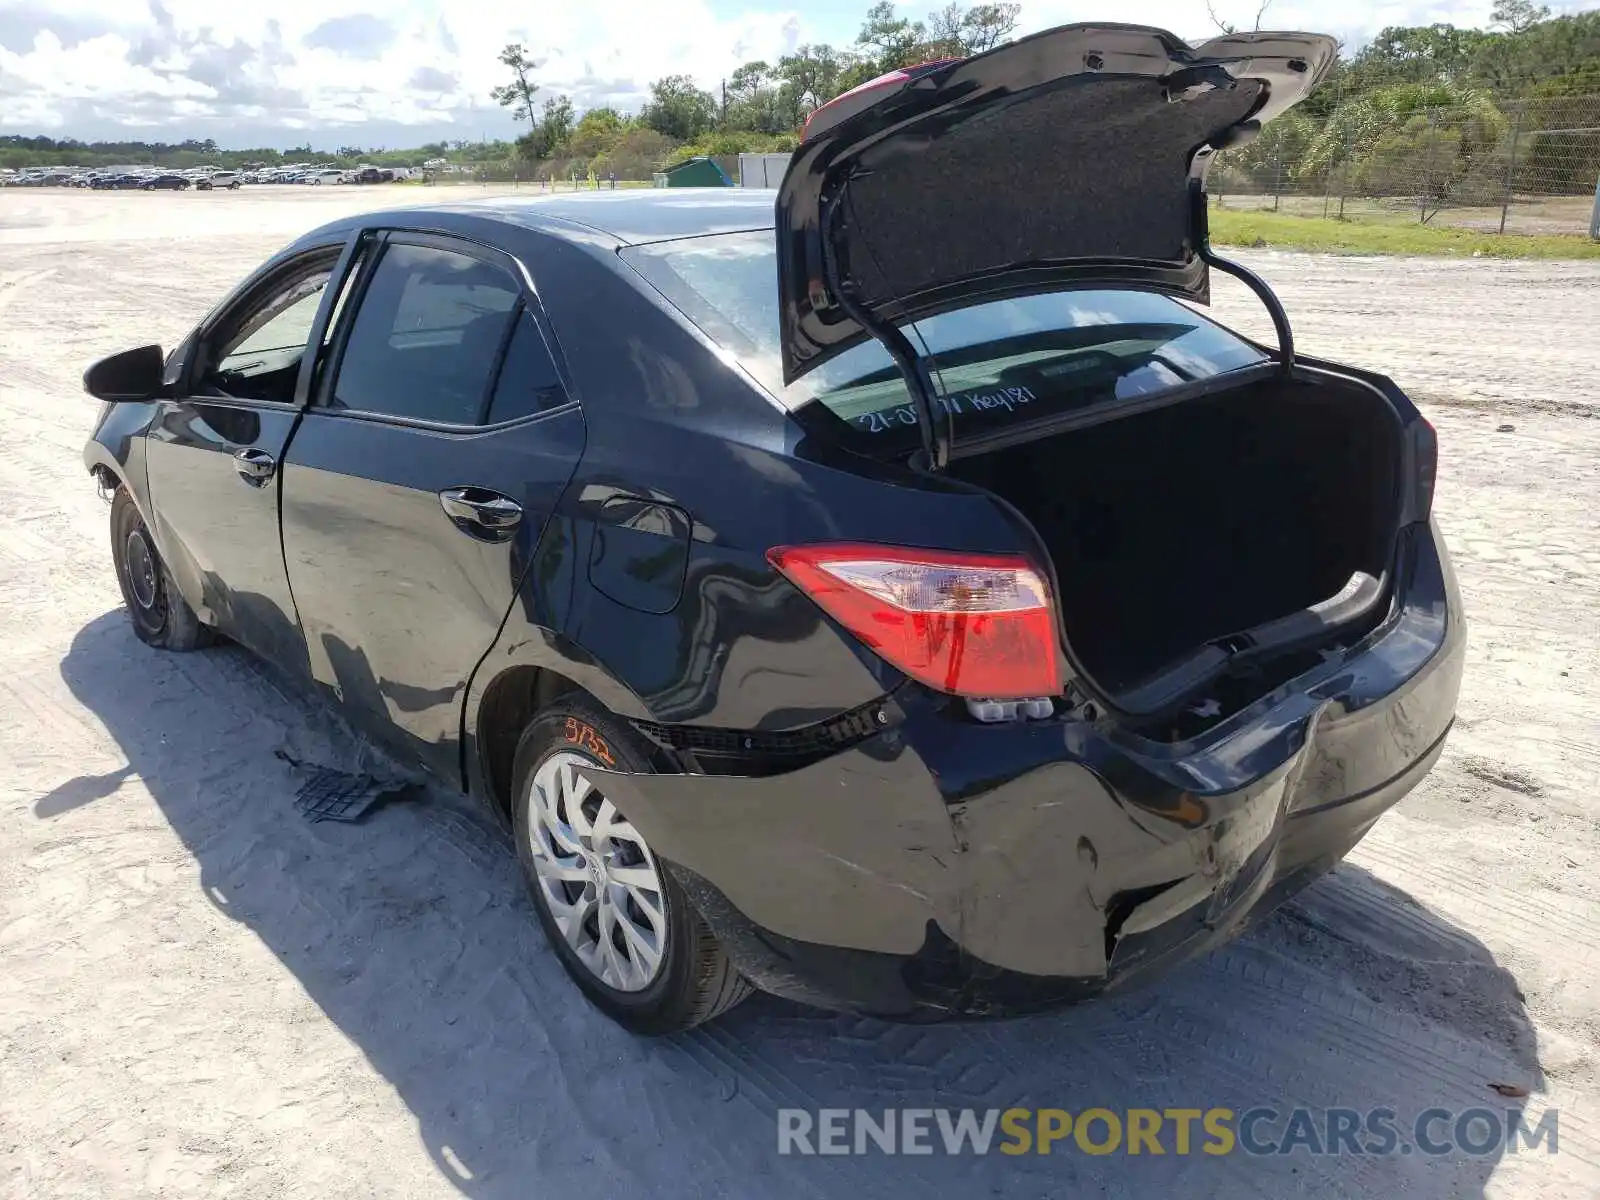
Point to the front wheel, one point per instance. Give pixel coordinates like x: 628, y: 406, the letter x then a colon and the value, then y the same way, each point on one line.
x: 160, y: 615
x: 619, y: 922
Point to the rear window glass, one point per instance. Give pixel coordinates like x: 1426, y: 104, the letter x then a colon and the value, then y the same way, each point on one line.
x: 993, y: 363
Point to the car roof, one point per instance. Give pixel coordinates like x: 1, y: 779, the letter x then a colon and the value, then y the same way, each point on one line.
x: 635, y: 215
x: 599, y: 221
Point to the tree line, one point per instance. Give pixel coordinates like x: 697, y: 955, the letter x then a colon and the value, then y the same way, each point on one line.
x: 1439, y: 95
x: 1438, y: 111
x: 759, y: 107
x: 22, y: 152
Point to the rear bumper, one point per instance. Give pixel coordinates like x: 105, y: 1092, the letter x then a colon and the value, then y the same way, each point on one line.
x: 941, y: 868
x: 941, y: 981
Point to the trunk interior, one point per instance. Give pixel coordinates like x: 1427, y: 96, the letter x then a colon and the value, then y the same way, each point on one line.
x: 1212, y: 517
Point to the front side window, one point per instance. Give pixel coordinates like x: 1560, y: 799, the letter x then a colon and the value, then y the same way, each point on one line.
x: 426, y: 338
x: 992, y: 363
x: 255, y: 353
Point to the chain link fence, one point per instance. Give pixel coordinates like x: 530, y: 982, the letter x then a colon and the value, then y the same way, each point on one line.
x: 1404, y: 150
x: 546, y: 175
x: 1509, y: 166
x: 623, y: 171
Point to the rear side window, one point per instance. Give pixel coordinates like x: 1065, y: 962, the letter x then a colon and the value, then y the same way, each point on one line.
x: 528, y: 381
x: 426, y: 338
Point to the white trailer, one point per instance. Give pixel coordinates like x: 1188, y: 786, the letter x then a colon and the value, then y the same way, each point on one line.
x: 762, y: 170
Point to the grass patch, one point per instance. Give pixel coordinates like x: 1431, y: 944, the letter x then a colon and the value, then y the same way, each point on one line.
x: 1285, y: 232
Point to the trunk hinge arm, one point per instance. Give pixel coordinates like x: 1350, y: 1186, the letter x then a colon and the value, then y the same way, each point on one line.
x: 1200, y: 220
x: 919, y: 380
x: 1258, y: 285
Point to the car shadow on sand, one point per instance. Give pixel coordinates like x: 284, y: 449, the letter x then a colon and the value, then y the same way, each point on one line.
x: 413, y: 934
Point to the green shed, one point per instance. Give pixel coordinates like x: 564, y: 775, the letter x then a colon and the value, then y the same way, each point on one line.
x: 693, y: 172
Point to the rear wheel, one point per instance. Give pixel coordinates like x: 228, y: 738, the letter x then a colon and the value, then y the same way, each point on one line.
x: 160, y: 615
x: 619, y: 922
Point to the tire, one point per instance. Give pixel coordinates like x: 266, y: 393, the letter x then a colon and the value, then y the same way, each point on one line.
x: 159, y: 614
x: 694, y: 979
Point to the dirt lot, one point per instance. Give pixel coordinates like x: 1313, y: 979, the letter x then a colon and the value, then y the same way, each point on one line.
x: 203, y: 995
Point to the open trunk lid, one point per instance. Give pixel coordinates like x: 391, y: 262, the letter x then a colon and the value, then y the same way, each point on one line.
x: 1072, y: 158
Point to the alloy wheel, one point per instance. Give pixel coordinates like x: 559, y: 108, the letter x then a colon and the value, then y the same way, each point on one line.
x: 597, y: 876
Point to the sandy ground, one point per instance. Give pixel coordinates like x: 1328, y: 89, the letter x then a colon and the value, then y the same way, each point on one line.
x: 203, y: 995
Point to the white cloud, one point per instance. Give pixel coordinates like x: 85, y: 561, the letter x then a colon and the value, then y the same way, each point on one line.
x: 93, y: 65
x: 420, y: 69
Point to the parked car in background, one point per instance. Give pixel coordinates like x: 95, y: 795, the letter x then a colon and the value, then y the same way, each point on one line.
x: 230, y: 180
x: 325, y: 176
x: 890, y: 592
x: 167, y: 181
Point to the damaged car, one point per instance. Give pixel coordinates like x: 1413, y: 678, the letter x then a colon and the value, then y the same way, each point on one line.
x: 892, y: 592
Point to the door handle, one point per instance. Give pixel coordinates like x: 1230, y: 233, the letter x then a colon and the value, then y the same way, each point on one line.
x: 480, y: 513
x: 255, y: 467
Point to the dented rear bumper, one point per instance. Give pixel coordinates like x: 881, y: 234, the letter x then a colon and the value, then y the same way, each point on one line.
x: 946, y: 868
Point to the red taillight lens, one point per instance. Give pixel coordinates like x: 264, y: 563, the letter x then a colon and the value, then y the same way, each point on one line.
x: 969, y: 624
x: 847, y: 104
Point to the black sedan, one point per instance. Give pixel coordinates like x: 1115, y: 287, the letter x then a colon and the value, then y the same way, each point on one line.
x: 166, y: 183
x: 889, y: 592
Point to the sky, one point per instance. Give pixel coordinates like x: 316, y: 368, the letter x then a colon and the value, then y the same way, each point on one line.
x: 399, y: 73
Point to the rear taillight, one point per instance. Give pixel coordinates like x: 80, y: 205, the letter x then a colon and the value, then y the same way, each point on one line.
x: 864, y: 95
x: 968, y: 624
